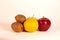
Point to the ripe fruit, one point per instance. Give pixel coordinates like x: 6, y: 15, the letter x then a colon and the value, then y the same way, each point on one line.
x: 31, y: 24
x: 44, y: 24
x: 20, y: 18
x: 17, y: 27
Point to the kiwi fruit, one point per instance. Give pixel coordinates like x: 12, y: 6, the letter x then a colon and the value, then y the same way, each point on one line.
x: 20, y: 18
x: 17, y: 27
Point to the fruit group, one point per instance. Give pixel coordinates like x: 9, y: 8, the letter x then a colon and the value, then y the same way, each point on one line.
x: 20, y: 18
x: 44, y: 24
x: 31, y: 24
x: 17, y: 27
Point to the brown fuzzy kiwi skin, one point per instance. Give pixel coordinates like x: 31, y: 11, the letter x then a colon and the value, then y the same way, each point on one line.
x: 17, y: 27
x: 20, y: 18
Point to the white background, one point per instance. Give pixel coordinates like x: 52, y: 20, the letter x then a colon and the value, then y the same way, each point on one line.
x: 48, y: 8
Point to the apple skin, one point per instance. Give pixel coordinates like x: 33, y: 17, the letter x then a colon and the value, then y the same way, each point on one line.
x: 44, y: 24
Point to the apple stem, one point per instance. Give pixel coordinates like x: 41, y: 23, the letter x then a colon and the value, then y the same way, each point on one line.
x: 43, y: 16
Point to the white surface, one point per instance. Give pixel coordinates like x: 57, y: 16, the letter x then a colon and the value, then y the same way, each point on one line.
x: 47, y: 8
x: 6, y: 35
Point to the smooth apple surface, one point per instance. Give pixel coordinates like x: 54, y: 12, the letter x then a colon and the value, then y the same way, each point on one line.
x: 44, y: 24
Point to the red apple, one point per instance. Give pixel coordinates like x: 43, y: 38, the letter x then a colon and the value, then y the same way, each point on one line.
x: 44, y: 24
